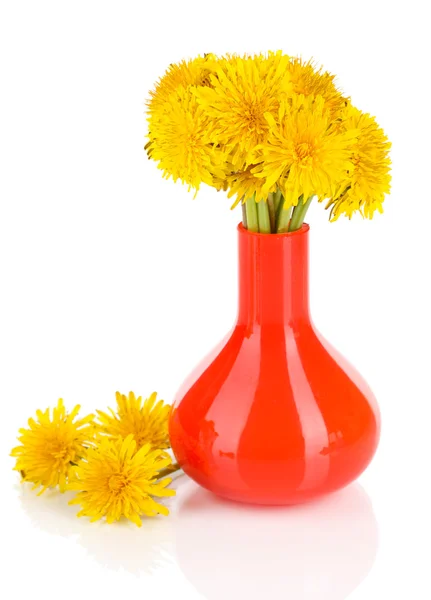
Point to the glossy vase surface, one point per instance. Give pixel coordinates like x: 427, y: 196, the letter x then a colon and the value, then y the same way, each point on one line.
x: 274, y: 415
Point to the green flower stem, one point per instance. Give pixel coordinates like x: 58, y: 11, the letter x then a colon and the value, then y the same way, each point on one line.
x: 263, y: 217
x: 299, y: 213
x: 251, y: 212
x: 283, y: 219
x: 272, y: 211
x: 293, y: 226
x: 244, y: 214
x: 171, y: 469
x: 277, y: 200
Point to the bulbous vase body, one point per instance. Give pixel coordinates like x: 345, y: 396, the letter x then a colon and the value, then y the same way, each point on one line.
x: 274, y: 415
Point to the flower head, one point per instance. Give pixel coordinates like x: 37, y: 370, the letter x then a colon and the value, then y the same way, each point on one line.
x: 307, y: 80
x: 304, y: 154
x: 51, y: 446
x: 243, y: 90
x: 367, y: 182
x: 194, y: 72
x: 146, y: 420
x: 255, y: 125
x: 245, y: 185
x: 119, y: 479
x: 179, y: 141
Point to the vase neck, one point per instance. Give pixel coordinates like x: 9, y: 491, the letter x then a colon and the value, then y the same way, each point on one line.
x: 273, y: 277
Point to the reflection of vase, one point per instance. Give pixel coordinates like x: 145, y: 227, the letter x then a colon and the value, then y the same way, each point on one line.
x: 314, y: 551
x: 275, y: 415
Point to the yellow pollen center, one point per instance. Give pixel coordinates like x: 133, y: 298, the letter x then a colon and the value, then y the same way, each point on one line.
x: 303, y: 150
x: 58, y: 450
x: 254, y: 117
x: 117, y: 483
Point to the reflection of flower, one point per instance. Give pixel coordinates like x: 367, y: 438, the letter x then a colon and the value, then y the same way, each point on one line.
x: 125, y: 548
x: 50, y: 446
x: 116, y: 479
x: 146, y: 420
x: 196, y: 452
x: 115, y: 548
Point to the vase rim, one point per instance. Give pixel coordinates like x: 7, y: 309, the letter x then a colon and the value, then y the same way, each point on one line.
x: 304, y: 229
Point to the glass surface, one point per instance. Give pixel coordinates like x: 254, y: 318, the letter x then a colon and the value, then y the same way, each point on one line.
x: 274, y: 415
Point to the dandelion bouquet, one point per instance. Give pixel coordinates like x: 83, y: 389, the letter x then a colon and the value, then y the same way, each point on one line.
x: 272, y: 131
x: 275, y: 417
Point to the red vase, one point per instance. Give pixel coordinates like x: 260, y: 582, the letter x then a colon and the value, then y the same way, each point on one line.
x: 274, y: 415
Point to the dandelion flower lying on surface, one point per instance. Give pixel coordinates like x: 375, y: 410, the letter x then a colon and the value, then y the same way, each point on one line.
x: 118, y: 479
x: 146, y: 420
x: 50, y: 447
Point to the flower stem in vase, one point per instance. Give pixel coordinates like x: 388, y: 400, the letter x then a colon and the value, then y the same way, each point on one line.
x: 251, y: 213
x: 272, y: 211
x: 283, y: 219
x: 263, y: 217
x: 299, y: 213
x: 244, y: 213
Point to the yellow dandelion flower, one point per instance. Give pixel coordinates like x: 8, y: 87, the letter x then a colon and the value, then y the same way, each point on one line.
x: 242, y: 92
x: 307, y: 80
x: 117, y: 479
x: 245, y: 185
x: 369, y: 180
x: 304, y: 155
x: 146, y: 420
x: 187, y: 73
x: 179, y: 141
x: 50, y: 447
x: 220, y: 183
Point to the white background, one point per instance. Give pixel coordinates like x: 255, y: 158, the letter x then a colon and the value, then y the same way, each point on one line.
x: 114, y: 279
